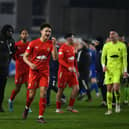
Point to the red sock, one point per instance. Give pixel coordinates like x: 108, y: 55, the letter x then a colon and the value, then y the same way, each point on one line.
x: 13, y: 94
x: 28, y: 101
x: 71, y: 102
x: 42, y: 106
x: 58, y: 105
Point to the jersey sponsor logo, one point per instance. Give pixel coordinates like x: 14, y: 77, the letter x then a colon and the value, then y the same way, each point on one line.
x: 42, y: 57
x: 71, y: 58
x: 60, y: 53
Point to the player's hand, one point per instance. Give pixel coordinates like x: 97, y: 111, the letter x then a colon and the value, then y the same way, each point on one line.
x: 33, y: 66
x: 54, y: 40
x: 72, y: 69
x: 125, y: 74
x: 105, y: 69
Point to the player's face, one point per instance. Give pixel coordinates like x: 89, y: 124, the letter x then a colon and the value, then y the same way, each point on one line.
x: 71, y: 39
x: 113, y: 35
x: 24, y: 35
x: 46, y: 33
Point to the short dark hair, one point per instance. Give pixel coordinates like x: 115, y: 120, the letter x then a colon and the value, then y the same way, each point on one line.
x: 68, y: 35
x: 44, y: 25
x: 22, y: 29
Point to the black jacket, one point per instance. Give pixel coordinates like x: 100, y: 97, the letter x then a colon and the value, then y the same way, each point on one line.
x: 83, y: 61
x: 7, y: 49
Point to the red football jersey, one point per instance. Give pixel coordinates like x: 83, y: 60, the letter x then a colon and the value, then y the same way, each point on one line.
x: 40, y: 53
x: 21, y: 66
x: 66, y: 56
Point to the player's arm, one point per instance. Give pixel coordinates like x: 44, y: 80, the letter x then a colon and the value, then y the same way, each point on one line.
x: 124, y: 59
x: 26, y: 57
x: 103, y: 58
x: 54, y: 51
x: 61, y: 58
x: 26, y: 60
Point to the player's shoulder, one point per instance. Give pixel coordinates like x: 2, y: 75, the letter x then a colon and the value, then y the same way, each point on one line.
x: 63, y: 46
x: 121, y: 43
x: 34, y: 42
x: 108, y: 44
x: 18, y: 42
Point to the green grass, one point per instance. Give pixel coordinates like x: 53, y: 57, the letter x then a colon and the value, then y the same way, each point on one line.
x: 91, y: 116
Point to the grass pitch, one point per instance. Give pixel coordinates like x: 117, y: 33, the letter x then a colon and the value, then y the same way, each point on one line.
x: 90, y: 116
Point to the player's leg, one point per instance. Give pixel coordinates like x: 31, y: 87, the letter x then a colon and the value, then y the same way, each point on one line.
x: 126, y: 94
x: 102, y: 86
x: 74, y: 84
x: 55, y: 89
x: 74, y: 93
x: 42, y: 104
x: 116, y: 81
x: 109, y: 99
x: 58, y: 99
x: 126, y: 90
x: 14, y: 92
x: 94, y: 85
x: 29, y: 100
x: 62, y: 81
x: 117, y: 96
x: 86, y: 86
x: 82, y: 90
x: 27, y: 94
x: 43, y: 83
x: 3, y: 80
x: 109, y: 81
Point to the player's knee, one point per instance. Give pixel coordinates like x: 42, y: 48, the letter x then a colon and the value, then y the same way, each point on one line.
x: 77, y: 89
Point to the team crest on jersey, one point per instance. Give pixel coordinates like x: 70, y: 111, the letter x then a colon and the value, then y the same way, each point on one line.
x: 118, y: 49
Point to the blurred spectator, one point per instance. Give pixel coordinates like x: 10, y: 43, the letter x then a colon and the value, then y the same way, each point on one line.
x: 93, y: 76
x: 83, y: 61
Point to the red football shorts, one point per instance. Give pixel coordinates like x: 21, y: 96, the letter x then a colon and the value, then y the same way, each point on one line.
x: 38, y: 79
x: 21, y: 78
x: 66, y: 77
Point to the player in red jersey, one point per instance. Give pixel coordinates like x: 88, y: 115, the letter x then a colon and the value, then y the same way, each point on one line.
x: 67, y: 73
x: 22, y: 69
x: 37, y: 56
